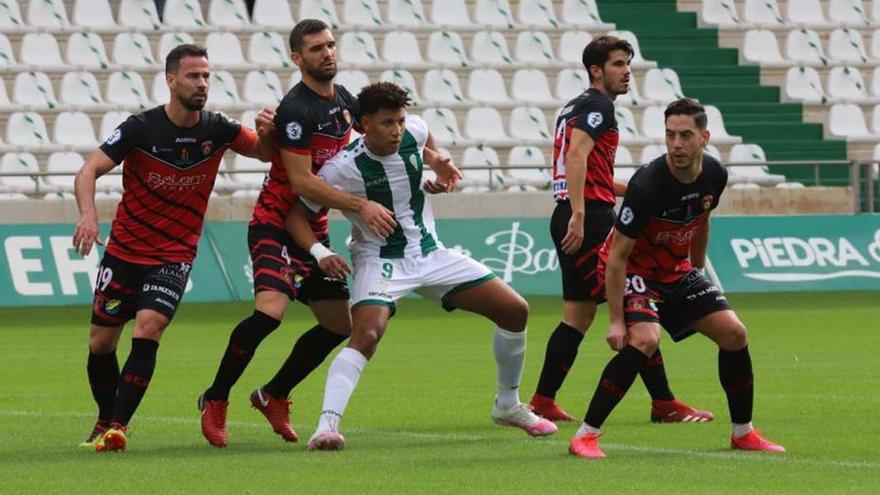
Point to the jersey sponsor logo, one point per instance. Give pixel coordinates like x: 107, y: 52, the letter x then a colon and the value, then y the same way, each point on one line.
x: 185, y: 140
x: 114, y: 138
x: 595, y: 119
x: 680, y: 237
x: 179, y: 182
x: 626, y: 215
x: 294, y: 130
x: 163, y: 290
x: 206, y: 147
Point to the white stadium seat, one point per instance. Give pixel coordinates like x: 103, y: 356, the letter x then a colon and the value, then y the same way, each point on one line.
x: 490, y: 47
x: 571, y: 46
x: 4, y: 99
x: 875, y: 120
x: 493, y: 13
x: 324, y: 10
x: 537, y: 12
x: 443, y: 125
x: 160, y: 92
x: 804, y: 84
x: 760, y: 46
x: 845, y: 45
x: 638, y: 60
x: 536, y: 173
x: 720, y: 13
x: 757, y: 173
x: 402, y: 48
x: 529, y: 123
x: 262, y: 87
x: 273, y: 14
x: 10, y: 16
x: 87, y: 50
x: 95, y: 14
x: 626, y: 126
x: 47, y: 14
x: 66, y: 162
x: 571, y: 82
x: 183, y: 14
x: 713, y: 151
x: 7, y: 56
x: 531, y: 85
x: 805, y: 46
x: 405, y: 80
x: 295, y: 78
x: 361, y: 13
x: 875, y: 82
x: 487, y: 86
x: 127, y: 88
x: 269, y: 49
x: 170, y: 40
x: 442, y: 86
x: 34, y: 89
x: 875, y: 43
x: 27, y: 129
x: 139, y: 14
x: 662, y: 85
x: 229, y: 13
x: 19, y: 163
x: 875, y: 11
x: 654, y: 123
x: 353, y: 80
x: 110, y: 121
x: 74, y: 129
x: 850, y: 13
x: 534, y: 47
x: 446, y: 47
x: 847, y: 83
x: 632, y: 97
x: 406, y: 13
x: 358, y: 48
x: 481, y: 169
x: 224, y: 50
x: 806, y: 13
x: 651, y: 152
x: 717, y: 128
x: 133, y: 49
x: 583, y: 13
x: 623, y: 156
x: 847, y: 120
x: 452, y: 13
x: 223, y: 91
x: 41, y: 49
x: 763, y: 13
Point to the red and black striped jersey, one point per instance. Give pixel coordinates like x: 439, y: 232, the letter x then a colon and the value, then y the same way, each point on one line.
x: 167, y: 177
x: 593, y: 113
x: 664, y: 216
x: 307, y: 124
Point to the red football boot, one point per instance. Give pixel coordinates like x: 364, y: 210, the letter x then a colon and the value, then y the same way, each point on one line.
x: 214, y: 421
x: 548, y: 408
x: 676, y: 411
x: 754, y: 441
x: 277, y: 411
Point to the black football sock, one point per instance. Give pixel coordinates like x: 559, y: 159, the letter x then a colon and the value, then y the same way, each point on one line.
x: 562, y: 349
x: 735, y: 371
x: 103, y: 372
x: 616, y: 379
x: 654, y: 376
x: 242, y: 344
x: 135, y: 378
x: 308, y: 353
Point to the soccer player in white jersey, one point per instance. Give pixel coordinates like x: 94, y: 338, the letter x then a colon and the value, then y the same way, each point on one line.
x: 385, y: 165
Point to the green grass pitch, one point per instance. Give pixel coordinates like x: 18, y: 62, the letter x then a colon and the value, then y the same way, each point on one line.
x: 419, y: 421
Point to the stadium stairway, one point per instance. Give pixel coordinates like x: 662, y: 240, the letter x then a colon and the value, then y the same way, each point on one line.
x: 713, y: 75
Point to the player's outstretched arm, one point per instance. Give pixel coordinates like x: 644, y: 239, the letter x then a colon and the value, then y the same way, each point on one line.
x: 448, y: 174
x: 700, y: 245
x: 297, y: 225
x: 378, y: 219
x: 576, y: 173
x: 85, y: 235
x: 615, y: 283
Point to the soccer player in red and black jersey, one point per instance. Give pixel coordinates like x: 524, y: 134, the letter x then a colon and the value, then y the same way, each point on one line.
x: 313, y: 122
x: 585, y: 145
x: 171, y: 154
x: 651, y: 265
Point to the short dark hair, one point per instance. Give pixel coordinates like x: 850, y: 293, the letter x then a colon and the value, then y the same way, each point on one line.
x: 688, y: 106
x: 172, y: 61
x: 302, y: 29
x: 598, y: 51
x: 382, y: 96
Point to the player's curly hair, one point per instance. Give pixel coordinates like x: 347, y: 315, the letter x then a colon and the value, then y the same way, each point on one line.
x: 172, y: 61
x: 382, y: 96
x: 598, y: 51
x: 688, y: 106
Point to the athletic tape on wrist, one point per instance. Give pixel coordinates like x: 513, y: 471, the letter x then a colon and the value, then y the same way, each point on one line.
x: 320, y: 251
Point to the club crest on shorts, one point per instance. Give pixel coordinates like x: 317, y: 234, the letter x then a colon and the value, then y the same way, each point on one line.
x: 595, y: 119
x: 113, y: 306
x: 707, y: 201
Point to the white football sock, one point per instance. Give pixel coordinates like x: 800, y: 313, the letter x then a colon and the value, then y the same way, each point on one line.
x: 510, y: 349
x: 342, y: 378
x: 741, y: 430
x: 586, y: 429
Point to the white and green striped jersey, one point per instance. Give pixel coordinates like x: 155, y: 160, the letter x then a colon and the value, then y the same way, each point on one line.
x: 395, y: 182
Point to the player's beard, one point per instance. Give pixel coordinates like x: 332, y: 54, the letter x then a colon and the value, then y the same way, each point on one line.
x: 192, y: 104
x: 321, y: 75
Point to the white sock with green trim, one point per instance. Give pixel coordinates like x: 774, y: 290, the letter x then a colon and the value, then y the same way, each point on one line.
x: 510, y: 349
x: 342, y: 378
